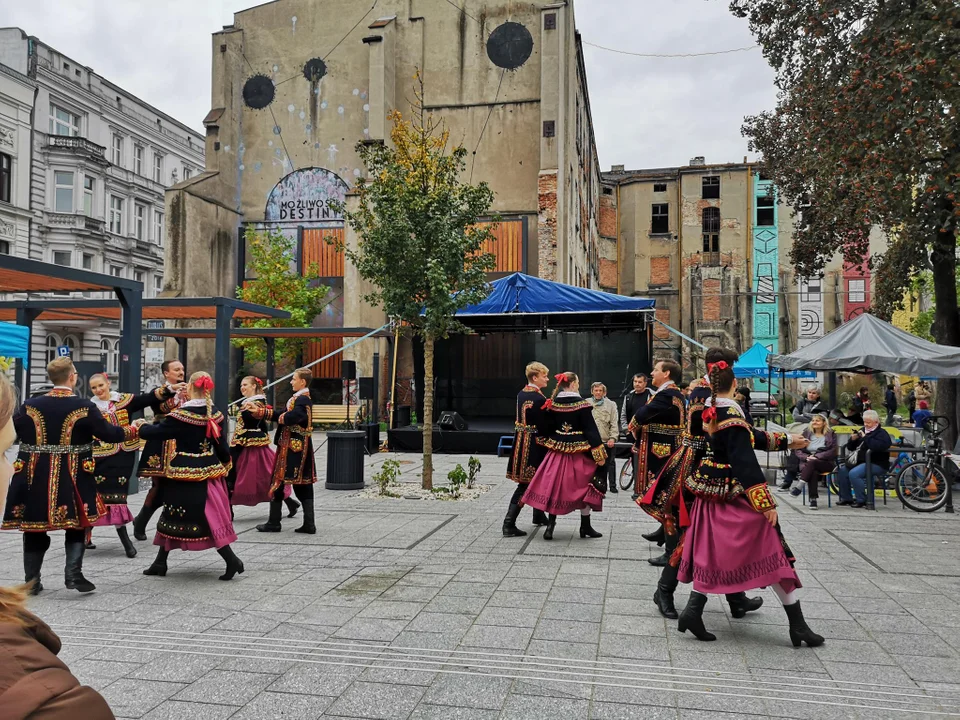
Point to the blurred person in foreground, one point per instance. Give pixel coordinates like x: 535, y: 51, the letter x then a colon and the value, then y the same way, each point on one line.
x: 34, y: 683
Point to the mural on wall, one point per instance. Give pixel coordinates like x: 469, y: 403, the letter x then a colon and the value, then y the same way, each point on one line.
x: 810, y: 310
x: 766, y: 264
x: 856, y: 288
x: 304, y: 197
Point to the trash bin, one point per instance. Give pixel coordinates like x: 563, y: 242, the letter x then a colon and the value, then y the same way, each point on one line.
x: 345, y: 460
x: 403, y: 416
x: 371, y: 440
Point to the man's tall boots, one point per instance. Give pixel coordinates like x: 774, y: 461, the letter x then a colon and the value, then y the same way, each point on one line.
x: 669, y: 543
x: 128, y: 547
x: 510, y: 528
x: 273, y: 521
x: 73, y: 571
x: 35, y: 546
x: 658, y: 536
x: 292, y: 506
x: 309, y: 526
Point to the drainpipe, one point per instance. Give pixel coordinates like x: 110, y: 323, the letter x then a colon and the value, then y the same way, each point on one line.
x: 619, y: 259
x: 750, y: 297
x: 680, y: 272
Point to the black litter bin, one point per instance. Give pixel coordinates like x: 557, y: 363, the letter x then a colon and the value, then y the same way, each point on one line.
x: 403, y: 416
x: 345, y: 460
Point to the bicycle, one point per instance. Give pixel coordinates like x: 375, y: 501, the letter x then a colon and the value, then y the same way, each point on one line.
x: 625, y: 481
x: 922, y: 485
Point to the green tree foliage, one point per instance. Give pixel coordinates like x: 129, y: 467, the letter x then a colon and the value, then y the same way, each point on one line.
x: 419, y: 242
x: 865, y: 134
x: 276, y: 284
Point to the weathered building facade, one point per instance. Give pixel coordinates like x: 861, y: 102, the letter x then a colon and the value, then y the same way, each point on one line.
x: 298, y: 83
x: 711, y: 243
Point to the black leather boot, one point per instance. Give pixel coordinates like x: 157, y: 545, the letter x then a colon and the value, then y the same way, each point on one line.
x: 159, y: 566
x: 234, y: 564
x: 510, y: 528
x: 740, y: 604
x: 88, y: 540
x: 551, y: 524
x: 661, y: 560
x: 663, y: 597
x: 73, y: 571
x: 35, y: 546
x: 799, y: 632
x: 309, y: 526
x: 292, y: 506
x: 273, y: 521
x: 141, y: 520
x: 658, y: 536
x: 128, y: 547
x: 540, y: 518
x: 692, y: 617
x: 586, y: 529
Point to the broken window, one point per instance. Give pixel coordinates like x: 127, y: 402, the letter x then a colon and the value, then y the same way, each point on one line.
x: 659, y: 187
x: 765, y: 206
x: 660, y: 219
x: 711, y: 188
x: 711, y: 236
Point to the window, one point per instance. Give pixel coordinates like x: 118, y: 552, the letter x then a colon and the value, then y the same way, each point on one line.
x: 116, y: 271
x: 63, y: 192
x: 140, y: 221
x: 138, y: 160
x: 158, y: 228
x: 6, y: 177
x: 856, y: 291
x: 711, y: 236
x: 62, y: 257
x: 88, y: 182
x: 157, y: 167
x: 63, y: 122
x: 114, y: 363
x: 4, y: 247
x: 659, y: 187
x: 711, y: 188
x: 187, y: 172
x: 765, y: 205
x: 118, y: 150
x: 71, y: 342
x: 105, y: 355
x: 87, y: 261
x: 158, y: 284
x: 116, y: 214
x: 660, y: 222
x: 52, y: 343
x: 138, y: 275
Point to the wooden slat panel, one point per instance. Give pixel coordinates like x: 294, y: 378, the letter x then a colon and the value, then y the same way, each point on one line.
x: 317, y: 249
x: 315, y: 349
x: 506, y: 245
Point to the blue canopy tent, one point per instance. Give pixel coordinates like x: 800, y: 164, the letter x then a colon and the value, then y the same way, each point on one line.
x: 14, y: 341
x: 754, y: 363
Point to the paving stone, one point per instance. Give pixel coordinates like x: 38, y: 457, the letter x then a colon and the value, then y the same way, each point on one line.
x: 135, y: 698
x: 377, y: 701
x: 99, y: 673
x: 330, y: 680
x: 489, y: 636
x: 440, y: 622
x: 571, y: 611
x: 391, y: 610
x: 177, y: 668
x: 617, y: 711
x: 584, y: 632
x: 508, y: 617
x: 177, y: 710
x: 425, y: 711
x: 226, y: 688
x: 280, y: 706
x: 633, y: 646
x: 471, y: 691
x: 378, y: 629
x: 535, y: 707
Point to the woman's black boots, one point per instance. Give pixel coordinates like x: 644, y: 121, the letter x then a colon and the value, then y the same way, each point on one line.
x: 586, y: 529
x: 799, y: 632
x: 234, y: 564
x: 128, y: 547
x: 692, y: 617
x: 551, y: 524
x: 159, y: 566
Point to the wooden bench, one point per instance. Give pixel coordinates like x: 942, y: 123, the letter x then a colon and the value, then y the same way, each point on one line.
x: 324, y: 415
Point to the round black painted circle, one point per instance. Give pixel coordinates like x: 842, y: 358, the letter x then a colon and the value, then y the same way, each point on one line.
x: 510, y: 46
x: 314, y: 69
x: 258, y: 92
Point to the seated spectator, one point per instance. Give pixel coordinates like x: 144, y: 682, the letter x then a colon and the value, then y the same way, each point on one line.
x: 921, y: 415
x: 808, y: 406
x: 819, y: 456
x: 875, y: 439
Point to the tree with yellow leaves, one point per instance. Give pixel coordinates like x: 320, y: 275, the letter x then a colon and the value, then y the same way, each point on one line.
x: 419, y: 242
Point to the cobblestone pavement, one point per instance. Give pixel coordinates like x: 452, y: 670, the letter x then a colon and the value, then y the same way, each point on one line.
x: 420, y: 609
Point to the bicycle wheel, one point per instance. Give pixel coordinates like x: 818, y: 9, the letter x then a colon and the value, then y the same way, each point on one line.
x: 626, y: 474
x: 922, y: 487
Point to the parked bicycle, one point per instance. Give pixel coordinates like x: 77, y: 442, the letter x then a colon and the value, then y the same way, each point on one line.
x: 922, y: 485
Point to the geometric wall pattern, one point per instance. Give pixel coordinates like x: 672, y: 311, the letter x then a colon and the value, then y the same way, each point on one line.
x: 766, y: 275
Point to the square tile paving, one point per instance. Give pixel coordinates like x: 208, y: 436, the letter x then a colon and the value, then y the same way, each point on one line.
x: 420, y: 609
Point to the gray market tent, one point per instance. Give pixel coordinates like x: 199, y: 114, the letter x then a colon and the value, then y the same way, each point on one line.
x: 868, y: 344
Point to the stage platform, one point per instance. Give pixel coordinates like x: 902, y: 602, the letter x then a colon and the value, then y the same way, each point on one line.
x: 481, y: 437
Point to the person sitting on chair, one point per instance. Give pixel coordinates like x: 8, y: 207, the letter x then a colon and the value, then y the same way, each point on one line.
x: 875, y: 439
x: 819, y: 456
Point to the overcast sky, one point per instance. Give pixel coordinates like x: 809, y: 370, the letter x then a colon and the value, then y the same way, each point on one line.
x: 648, y: 112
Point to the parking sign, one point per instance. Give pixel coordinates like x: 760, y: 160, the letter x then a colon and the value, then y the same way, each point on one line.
x: 63, y: 351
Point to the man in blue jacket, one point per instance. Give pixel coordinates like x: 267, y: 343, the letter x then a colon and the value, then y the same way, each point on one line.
x: 875, y: 439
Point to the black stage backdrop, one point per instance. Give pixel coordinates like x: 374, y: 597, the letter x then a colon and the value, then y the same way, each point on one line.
x: 479, y: 376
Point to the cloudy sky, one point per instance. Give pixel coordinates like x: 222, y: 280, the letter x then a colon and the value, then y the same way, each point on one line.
x: 648, y: 112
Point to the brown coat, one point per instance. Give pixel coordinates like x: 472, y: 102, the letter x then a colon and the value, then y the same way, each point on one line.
x: 35, y: 684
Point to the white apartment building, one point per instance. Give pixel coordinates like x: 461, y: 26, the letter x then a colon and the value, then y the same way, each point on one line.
x: 88, y: 166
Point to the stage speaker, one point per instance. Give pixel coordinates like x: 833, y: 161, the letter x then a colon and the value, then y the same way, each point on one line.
x: 450, y: 420
x: 366, y: 388
x: 349, y: 369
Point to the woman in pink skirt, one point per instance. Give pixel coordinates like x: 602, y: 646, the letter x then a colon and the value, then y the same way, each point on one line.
x: 196, y: 509
x: 252, y: 456
x: 734, y: 543
x: 565, y: 480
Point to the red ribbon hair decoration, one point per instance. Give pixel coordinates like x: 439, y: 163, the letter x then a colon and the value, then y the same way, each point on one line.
x: 203, y: 383
x: 560, y: 377
x: 719, y: 365
x: 548, y: 404
x: 709, y: 415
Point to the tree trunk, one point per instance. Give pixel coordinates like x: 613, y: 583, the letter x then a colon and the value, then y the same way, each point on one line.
x: 428, y: 412
x: 946, y: 319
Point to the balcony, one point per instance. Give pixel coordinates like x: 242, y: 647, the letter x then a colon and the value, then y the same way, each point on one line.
x: 78, y: 146
x: 74, y: 221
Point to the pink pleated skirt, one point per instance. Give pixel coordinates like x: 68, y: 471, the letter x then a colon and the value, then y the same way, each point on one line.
x: 117, y: 516
x: 730, y: 547
x: 254, y: 473
x: 217, y: 514
x: 562, y: 484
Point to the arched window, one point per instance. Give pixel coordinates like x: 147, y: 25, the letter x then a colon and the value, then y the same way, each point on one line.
x: 105, y: 348
x: 52, y: 343
x: 71, y: 342
x: 115, y: 358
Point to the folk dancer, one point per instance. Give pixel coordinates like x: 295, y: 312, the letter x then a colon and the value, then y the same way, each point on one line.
x: 115, y: 461
x: 608, y: 423
x: 527, y: 454
x: 657, y: 427
x: 151, y: 457
x: 252, y: 457
x: 633, y: 401
x: 668, y: 496
x: 294, y: 464
x: 734, y: 542
x: 196, y: 509
x: 569, y: 477
x: 54, y: 485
